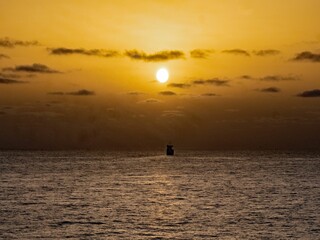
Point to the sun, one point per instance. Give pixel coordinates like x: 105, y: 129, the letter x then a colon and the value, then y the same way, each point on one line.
x: 162, y: 75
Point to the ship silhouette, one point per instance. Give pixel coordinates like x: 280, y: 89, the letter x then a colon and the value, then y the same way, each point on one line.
x: 170, y: 150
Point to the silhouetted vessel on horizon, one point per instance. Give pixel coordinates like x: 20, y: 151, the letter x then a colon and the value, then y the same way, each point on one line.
x: 170, y: 150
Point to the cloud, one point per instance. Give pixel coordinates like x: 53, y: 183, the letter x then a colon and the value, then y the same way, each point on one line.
x: 156, y: 57
x: 15, y: 75
x: 200, y: 53
x: 213, y: 81
x: 246, y: 77
x: 270, y: 90
x: 4, y: 56
x: 277, y: 78
x: 34, y: 68
x: 151, y: 100
x: 167, y: 93
x: 11, y: 43
x: 10, y: 81
x: 209, y: 95
x: 310, y: 93
x: 135, y: 93
x: 30, y: 75
x: 266, y: 52
x: 10, y: 75
x: 82, y: 92
x: 271, y: 78
x: 81, y: 51
x: 307, y: 56
x: 179, y: 85
x: 262, y: 53
x: 237, y: 52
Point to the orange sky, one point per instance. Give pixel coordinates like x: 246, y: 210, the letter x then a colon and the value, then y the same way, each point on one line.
x: 81, y: 74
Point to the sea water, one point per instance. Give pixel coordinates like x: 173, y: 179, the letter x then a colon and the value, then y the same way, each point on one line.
x: 129, y: 195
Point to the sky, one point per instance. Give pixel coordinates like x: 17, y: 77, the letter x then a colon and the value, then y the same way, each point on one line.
x: 81, y: 74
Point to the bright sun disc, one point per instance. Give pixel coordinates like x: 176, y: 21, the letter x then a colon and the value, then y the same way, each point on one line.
x: 162, y: 75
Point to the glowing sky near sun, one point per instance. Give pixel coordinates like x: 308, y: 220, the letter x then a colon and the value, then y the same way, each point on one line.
x: 83, y: 74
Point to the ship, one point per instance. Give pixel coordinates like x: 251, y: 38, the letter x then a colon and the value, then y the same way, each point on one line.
x: 170, y: 150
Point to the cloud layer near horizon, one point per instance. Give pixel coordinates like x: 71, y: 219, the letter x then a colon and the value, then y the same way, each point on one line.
x: 209, y: 95
x: 164, y: 55
x: 266, y: 52
x: 212, y: 81
x: 81, y: 51
x: 82, y: 92
x: 179, y: 85
x: 270, y: 90
x: 10, y: 81
x: 155, y: 57
x: 11, y: 43
x: 201, y: 53
x: 237, y: 51
x: 307, y: 56
x: 167, y: 93
x: 310, y: 93
x: 277, y: 78
x: 34, y: 68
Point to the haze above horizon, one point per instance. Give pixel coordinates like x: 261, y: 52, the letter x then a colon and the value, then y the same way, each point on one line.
x: 82, y: 74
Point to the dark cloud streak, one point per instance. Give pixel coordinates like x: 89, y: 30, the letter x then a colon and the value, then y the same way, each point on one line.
x: 11, y: 43
x: 213, y: 81
x: 307, y: 56
x: 82, y: 92
x: 277, y: 78
x: 201, y: 53
x: 237, y: 52
x: 310, y: 93
x: 179, y: 85
x: 167, y: 93
x: 10, y: 81
x: 10, y: 75
x: 156, y: 57
x: 34, y: 68
x: 270, y: 90
x: 151, y: 100
x: 135, y: 93
x: 266, y: 52
x: 81, y: 51
x: 246, y: 77
x: 209, y: 95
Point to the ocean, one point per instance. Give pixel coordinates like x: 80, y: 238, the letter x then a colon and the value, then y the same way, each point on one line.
x: 134, y: 195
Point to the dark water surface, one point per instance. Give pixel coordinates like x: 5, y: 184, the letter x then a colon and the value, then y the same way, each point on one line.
x: 206, y: 195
